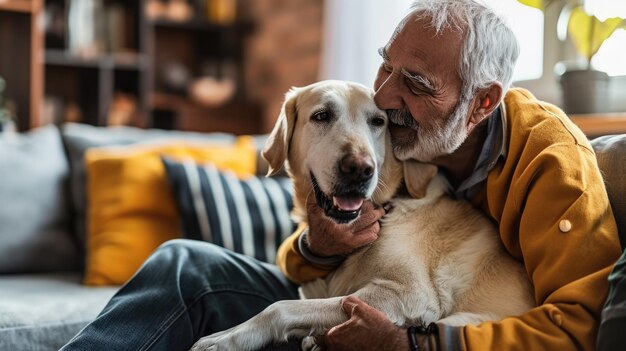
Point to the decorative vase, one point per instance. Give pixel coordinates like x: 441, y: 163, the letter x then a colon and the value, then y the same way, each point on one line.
x: 585, y: 91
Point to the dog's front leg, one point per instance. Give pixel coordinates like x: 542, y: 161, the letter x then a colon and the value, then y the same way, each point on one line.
x: 279, y: 321
x: 459, y: 319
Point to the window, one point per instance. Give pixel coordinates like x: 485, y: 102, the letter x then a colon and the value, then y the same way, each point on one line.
x: 355, y: 29
x: 527, y: 24
x: 353, y: 32
x: 611, y: 57
x: 612, y: 54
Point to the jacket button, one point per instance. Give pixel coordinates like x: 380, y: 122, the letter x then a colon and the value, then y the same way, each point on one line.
x: 565, y: 226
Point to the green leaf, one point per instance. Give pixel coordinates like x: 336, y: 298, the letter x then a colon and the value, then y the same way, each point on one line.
x: 588, y: 33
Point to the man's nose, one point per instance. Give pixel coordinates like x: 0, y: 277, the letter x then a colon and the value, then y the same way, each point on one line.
x: 387, y: 95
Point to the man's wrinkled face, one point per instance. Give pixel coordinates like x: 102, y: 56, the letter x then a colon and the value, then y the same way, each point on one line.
x: 419, y: 86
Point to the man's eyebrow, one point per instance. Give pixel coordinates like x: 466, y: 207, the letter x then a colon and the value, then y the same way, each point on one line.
x: 417, y: 78
x: 420, y: 79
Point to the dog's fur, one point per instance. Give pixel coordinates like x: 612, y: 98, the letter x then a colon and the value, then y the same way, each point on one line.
x: 436, y: 259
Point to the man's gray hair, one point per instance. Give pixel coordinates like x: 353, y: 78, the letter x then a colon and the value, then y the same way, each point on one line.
x: 490, y: 48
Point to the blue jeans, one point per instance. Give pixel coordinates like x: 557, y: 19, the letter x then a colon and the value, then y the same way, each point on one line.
x: 184, y: 291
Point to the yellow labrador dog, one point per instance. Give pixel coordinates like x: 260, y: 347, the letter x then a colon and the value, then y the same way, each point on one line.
x: 436, y: 259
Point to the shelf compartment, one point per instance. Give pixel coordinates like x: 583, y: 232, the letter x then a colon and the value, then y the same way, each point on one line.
x: 199, y: 25
x: 128, y: 61
x: 176, y: 102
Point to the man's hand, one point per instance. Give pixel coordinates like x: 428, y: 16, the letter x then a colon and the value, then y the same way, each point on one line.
x: 366, y: 329
x: 328, y: 238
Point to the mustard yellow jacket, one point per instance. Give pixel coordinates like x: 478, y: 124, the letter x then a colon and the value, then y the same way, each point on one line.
x: 553, y: 214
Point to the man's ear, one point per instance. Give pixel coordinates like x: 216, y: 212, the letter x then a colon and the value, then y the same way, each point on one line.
x: 276, y: 147
x: 485, y: 102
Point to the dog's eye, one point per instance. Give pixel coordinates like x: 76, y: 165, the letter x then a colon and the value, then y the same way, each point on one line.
x: 321, y: 116
x: 377, y: 121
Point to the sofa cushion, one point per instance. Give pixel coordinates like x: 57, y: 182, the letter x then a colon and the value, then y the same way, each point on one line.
x: 611, y: 154
x: 249, y: 215
x: 131, y: 208
x: 44, y: 311
x: 78, y: 138
x: 34, y: 235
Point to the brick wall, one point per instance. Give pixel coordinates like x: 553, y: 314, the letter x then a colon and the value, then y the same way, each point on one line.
x: 283, y: 51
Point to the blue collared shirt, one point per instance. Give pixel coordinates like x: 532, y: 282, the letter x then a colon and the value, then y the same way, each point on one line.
x: 493, y: 149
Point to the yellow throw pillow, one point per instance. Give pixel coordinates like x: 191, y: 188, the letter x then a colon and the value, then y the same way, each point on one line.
x: 131, y: 207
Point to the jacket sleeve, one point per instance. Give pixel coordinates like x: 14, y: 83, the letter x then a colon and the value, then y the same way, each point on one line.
x: 557, y: 219
x: 295, y: 267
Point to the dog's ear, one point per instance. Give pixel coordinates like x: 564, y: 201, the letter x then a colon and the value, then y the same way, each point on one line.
x: 417, y: 177
x: 276, y: 147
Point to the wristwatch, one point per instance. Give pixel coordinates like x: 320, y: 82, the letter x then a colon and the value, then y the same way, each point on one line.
x: 420, y: 337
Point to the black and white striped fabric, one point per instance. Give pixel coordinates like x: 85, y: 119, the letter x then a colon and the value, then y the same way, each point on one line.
x: 250, y: 216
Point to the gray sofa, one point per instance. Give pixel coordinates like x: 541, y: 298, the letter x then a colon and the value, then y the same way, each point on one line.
x: 43, y: 230
x: 43, y: 216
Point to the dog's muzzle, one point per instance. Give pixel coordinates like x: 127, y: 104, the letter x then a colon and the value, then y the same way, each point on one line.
x: 343, y: 206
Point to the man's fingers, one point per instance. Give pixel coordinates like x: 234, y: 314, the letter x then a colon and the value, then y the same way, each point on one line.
x: 351, y: 304
x: 359, y: 309
x: 369, y: 216
x: 328, y: 238
x: 370, y: 213
x: 335, y: 332
x: 365, y: 236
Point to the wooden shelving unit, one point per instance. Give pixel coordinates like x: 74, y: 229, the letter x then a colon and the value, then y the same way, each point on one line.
x: 89, y: 84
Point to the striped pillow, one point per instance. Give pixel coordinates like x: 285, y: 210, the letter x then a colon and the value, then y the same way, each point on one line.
x: 249, y: 216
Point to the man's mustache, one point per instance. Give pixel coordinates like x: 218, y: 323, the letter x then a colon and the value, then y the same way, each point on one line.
x: 402, y: 117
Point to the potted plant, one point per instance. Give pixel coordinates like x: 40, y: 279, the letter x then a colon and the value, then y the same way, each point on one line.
x: 585, y: 89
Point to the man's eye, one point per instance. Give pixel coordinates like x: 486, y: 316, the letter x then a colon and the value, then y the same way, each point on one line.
x: 377, y: 121
x: 321, y: 116
x: 416, y: 88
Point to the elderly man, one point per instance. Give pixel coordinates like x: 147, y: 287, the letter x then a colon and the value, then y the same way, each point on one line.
x: 444, y: 79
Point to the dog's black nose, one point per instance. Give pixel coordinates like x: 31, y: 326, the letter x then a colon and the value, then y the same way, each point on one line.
x: 356, y: 168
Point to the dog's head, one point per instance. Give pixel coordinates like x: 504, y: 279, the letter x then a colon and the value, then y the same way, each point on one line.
x: 336, y: 145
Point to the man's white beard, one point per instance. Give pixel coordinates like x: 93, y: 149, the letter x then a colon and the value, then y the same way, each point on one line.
x: 442, y: 139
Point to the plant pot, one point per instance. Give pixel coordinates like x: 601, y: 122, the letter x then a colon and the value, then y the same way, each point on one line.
x: 585, y: 91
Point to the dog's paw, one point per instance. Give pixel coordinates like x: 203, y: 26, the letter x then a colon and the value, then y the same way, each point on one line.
x: 218, y: 341
x: 236, y: 338
x: 209, y: 343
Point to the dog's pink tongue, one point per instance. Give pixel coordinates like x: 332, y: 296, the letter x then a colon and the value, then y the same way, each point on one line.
x: 347, y: 203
